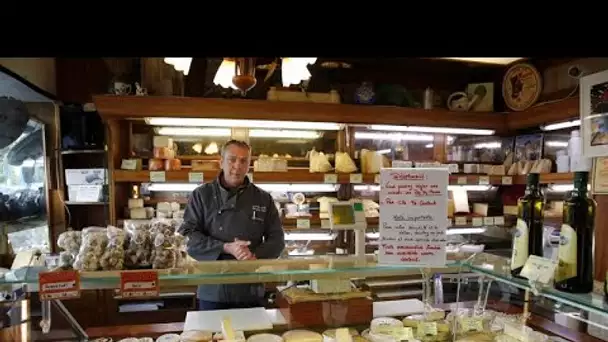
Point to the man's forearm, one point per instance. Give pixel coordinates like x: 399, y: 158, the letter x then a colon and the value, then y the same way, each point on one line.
x: 272, y: 247
x: 204, y: 248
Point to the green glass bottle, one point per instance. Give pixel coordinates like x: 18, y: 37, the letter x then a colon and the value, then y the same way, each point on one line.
x: 574, y: 272
x: 528, y: 237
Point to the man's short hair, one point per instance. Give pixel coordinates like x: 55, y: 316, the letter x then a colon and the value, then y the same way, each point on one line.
x: 239, y: 143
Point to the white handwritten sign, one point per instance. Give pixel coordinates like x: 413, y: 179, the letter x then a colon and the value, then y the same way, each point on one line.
x: 413, y: 222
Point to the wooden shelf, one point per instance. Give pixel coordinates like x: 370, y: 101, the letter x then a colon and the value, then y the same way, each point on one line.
x: 543, y: 114
x: 303, y: 176
x: 293, y: 176
x: 139, y: 107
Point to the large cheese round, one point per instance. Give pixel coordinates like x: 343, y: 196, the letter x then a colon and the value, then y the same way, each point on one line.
x: 302, y: 336
x: 265, y: 338
x: 196, y: 336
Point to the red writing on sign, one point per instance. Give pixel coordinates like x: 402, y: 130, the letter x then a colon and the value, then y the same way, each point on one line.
x: 59, y: 285
x: 139, y: 284
x: 407, y: 176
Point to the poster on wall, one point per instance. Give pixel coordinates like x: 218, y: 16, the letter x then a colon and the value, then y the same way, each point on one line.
x: 594, y: 114
x: 413, y: 216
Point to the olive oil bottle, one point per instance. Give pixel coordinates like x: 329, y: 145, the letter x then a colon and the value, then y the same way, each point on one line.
x: 574, y: 272
x: 528, y: 237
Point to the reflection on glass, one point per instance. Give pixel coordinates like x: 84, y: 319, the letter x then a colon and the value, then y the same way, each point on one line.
x: 556, y: 142
x: 292, y: 144
x: 396, y: 145
x: 481, y: 149
x: 23, y: 189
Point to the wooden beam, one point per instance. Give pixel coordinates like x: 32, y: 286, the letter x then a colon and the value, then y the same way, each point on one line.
x: 551, y: 112
x: 122, y: 107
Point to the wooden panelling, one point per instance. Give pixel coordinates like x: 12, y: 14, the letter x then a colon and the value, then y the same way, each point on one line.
x: 79, y: 78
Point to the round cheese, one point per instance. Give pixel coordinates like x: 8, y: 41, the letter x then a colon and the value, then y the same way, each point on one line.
x: 196, y: 336
x: 265, y: 338
x: 129, y: 339
x: 146, y: 339
x: 168, y: 338
x: 302, y: 336
x: 385, y: 321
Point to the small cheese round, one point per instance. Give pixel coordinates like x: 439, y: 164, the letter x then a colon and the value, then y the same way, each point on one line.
x: 265, y: 338
x: 300, y: 335
x: 196, y: 336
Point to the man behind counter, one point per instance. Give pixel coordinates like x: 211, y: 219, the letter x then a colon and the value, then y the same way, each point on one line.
x: 231, y: 218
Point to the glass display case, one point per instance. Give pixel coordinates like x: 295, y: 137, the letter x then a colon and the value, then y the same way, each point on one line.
x: 473, y: 295
x: 23, y: 190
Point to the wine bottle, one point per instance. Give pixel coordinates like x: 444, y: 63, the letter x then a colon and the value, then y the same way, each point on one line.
x: 574, y: 272
x: 528, y: 237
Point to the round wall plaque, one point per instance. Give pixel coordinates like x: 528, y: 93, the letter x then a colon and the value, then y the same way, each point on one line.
x: 521, y: 86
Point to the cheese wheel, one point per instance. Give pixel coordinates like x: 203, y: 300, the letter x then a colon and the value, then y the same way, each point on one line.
x: 146, y: 339
x: 168, y: 338
x: 265, y: 338
x: 302, y: 336
x: 196, y: 336
x: 385, y: 321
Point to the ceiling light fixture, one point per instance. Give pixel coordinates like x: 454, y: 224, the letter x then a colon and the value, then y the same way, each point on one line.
x: 294, y: 70
x: 204, y: 122
x: 487, y: 60
x: 180, y: 63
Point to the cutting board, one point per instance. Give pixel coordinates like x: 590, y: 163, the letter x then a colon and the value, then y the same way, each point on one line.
x: 251, y: 319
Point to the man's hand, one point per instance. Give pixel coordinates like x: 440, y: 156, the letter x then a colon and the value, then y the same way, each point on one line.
x: 239, y: 249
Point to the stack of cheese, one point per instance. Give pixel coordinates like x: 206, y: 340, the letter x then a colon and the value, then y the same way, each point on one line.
x: 137, y: 211
x: 164, y: 155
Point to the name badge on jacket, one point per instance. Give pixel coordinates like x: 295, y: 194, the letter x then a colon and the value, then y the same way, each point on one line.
x: 257, y: 213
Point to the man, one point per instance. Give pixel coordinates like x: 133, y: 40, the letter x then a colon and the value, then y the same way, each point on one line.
x: 231, y: 218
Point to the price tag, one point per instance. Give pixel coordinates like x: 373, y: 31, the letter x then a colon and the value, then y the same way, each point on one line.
x: 484, y: 180
x: 507, y: 180
x: 129, y: 164
x: 462, y: 180
x: 471, y: 324
x: 330, y: 178
x: 499, y: 220
x: 461, y: 220
x: 539, y: 269
x: 59, y: 285
x: 356, y: 178
x: 427, y: 328
x: 477, y: 221
x: 157, y: 176
x: 325, y: 224
x: 377, y: 179
x: 488, y: 221
x: 303, y: 223
x: 139, y: 284
x: 196, y: 177
x: 399, y: 333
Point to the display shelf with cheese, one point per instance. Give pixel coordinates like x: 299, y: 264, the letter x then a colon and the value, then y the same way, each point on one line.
x: 498, y: 268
